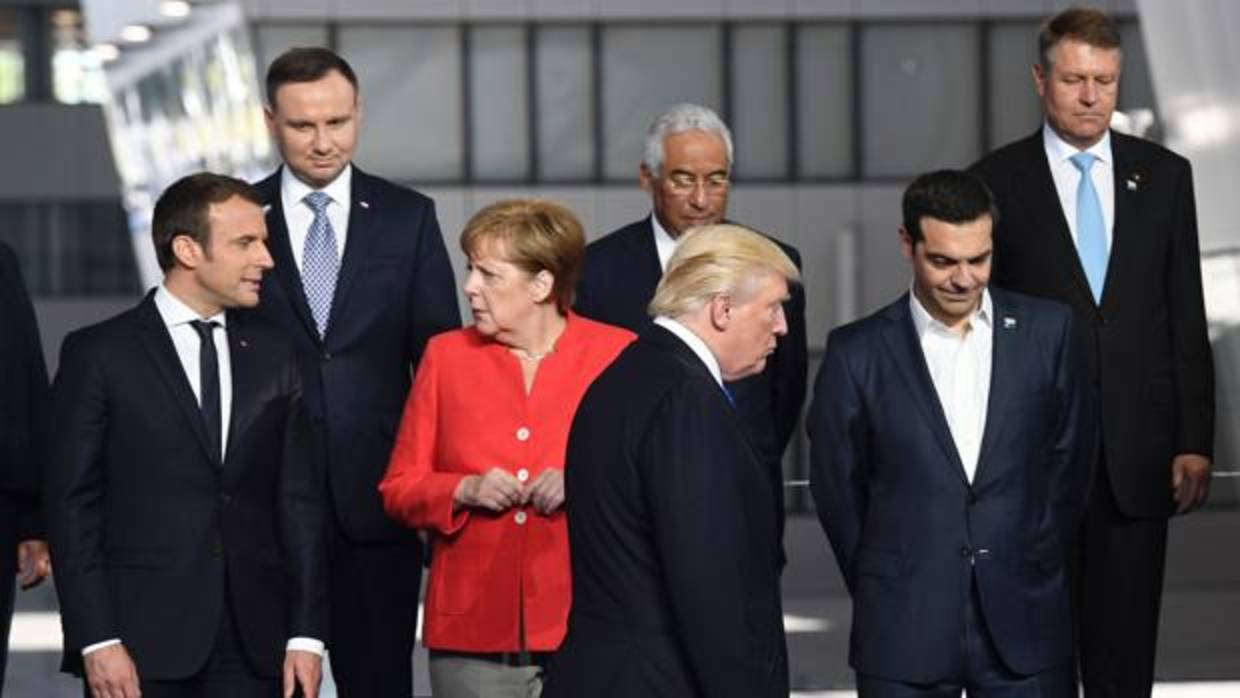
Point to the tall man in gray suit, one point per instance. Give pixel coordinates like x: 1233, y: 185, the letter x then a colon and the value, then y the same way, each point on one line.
x: 1107, y: 224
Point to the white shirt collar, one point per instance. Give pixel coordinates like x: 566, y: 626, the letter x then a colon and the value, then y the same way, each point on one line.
x: 664, y: 243
x: 175, y: 312
x: 695, y: 343
x: 923, y: 321
x: 1058, y: 150
x: 338, y: 189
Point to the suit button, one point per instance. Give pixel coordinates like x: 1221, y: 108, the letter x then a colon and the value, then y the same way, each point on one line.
x: 519, y: 518
x: 972, y: 499
x: 523, y: 434
x: 327, y: 356
x: 523, y: 474
x: 225, y: 499
x: 966, y: 551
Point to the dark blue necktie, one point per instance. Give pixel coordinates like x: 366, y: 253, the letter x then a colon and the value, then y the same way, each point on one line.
x: 209, y: 384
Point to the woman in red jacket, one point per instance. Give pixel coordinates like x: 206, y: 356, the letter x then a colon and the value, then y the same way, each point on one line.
x: 479, y: 458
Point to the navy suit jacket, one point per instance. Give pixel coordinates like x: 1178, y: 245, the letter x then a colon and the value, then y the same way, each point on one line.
x: 1146, y: 344
x: 394, y: 291
x: 675, y: 561
x: 617, y: 282
x: 908, y: 529
x: 151, y: 537
x: 23, y: 401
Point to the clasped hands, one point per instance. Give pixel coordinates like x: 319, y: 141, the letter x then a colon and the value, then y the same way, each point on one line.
x: 499, y: 490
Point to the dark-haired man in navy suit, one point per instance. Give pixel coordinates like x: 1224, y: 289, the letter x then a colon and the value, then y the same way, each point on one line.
x: 950, y: 440
x: 362, y: 280
x: 686, y: 169
x: 184, y: 494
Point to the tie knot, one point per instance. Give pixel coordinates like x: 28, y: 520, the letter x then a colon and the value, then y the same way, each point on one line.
x: 204, y: 328
x: 1083, y: 161
x: 317, y: 201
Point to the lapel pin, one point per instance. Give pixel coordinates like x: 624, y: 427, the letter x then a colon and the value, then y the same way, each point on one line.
x: 1134, y: 181
x: 363, y: 204
x: 243, y: 343
x: 1009, y: 323
x: 1132, y: 185
x: 266, y: 208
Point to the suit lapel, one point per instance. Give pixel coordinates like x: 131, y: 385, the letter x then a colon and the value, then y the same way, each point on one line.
x: 900, y: 339
x: 1128, y: 175
x: 1047, y: 212
x: 647, y: 260
x: 357, y: 244
x: 245, y: 381
x: 1008, y: 331
x: 163, y: 355
x: 282, y: 254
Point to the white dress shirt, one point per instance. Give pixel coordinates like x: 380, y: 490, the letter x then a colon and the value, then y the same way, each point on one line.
x: 1067, y: 178
x: 960, y: 366
x: 298, y: 215
x: 177, y: 317
x: 664, y: 243
x: 695, y: 343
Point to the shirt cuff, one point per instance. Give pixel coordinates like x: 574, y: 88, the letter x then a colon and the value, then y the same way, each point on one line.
x: 305, y: 644
x: 100, y: 645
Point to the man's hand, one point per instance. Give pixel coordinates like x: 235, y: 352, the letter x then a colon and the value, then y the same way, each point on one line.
x: 546, y: 493
x: 34, y: 563
x: 1190, y: 481
x: 305, y: 669
x: 497, y: 491
x: 110, y: 673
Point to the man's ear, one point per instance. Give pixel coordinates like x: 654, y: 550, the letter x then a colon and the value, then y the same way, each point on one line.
x: 187, y: 252
x: 721, y: 311
x: 646, y: 178
x: 906, y: 243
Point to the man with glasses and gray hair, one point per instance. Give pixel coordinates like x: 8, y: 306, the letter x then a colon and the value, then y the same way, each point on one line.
x: 686, y: 167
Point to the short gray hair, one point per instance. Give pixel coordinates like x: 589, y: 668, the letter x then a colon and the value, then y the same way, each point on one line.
x: 678, y: 119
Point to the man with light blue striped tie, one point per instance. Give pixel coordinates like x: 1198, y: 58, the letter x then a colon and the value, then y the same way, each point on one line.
x: 1107, y: 224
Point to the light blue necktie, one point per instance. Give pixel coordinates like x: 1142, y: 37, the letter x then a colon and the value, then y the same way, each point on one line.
x: 1091, y: 231
x: 320, y: 261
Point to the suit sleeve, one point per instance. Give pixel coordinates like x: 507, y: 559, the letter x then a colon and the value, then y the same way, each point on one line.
x: 432, y: 301
x: 1075, y: 441
x: 839, y: 455
x: 1190, y: 342
x: 303, y: 516
x: 27, y: 428
x: 587, y: 297
x: 413, y: 492
x: 790, y: 364
x: 698, y: 523
x: 74, y: 495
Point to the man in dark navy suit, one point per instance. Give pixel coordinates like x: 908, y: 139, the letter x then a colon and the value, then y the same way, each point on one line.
x: 23, y: 419
x: 184, y: 495
x: 362, y: 280
x: 686, y: 168
x: 950, y: 441
x: 1107, y: 224
x: 674, y: 544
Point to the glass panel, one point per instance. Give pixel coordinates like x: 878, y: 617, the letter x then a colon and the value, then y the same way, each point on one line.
x: 499, y: 99
x: 1015, y: 110
x: 413, y: 124
x: 12, y: 60
x: 920, y: 97
x: 565, y: 102
x: 77, y: 70
x: 760, y: 100
x: 825, y: 101
x: 71, y: 248
x: 646, y: 69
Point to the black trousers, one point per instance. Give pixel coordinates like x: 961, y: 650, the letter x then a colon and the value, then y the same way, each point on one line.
x: 227, y: 674
x: 980, y: 671
x: 1119, y: 576
x: 8, y: 570
x: 374, y: 616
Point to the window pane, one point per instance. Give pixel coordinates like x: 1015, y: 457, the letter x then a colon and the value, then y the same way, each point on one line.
x: 920, y: 104
x: 760, y: 100
x: 1136, y: 88
x: 499, y: 122
x: 565, y: 97
x: 646, y: 69
x: 273, y: 39
x: 411, y: 88
x: 824, y: 101
x: 77, y: 70
x: 76, y: 248
x: 12, y: 62
x: 1015, y: 111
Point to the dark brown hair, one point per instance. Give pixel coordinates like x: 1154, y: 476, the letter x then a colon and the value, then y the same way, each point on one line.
x: 184, y: 208
x: 305, y: 64
x: 1087, y: 25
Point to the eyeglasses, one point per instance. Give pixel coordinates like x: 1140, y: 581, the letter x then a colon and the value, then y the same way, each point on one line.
x: 682, y: 184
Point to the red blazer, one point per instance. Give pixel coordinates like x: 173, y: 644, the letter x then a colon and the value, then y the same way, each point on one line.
x: 467, y: 413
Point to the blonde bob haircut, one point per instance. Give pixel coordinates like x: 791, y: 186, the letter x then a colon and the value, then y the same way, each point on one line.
x: 715, y: 260
x: 535, y: 235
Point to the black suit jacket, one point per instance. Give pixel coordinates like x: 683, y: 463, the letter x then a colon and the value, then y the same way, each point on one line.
x: 617, y: 282
x: 675, y: 560
x: 909, y: 530
x: 151, y: 537
x: 1146, y: 343
x: 23, y: 401
x: 394, y: 291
